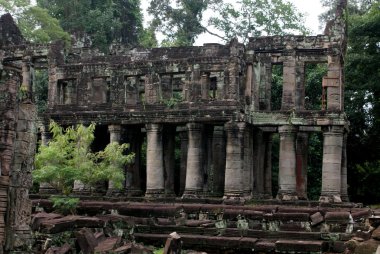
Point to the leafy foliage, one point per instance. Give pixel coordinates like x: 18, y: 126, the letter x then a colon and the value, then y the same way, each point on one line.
x: 179, y: 22
x: 256, y: 18
x: 67, y: 158
x: 65, y: 205
x: 35, y: 23
x: 363, y: 101
x: 104, y: 22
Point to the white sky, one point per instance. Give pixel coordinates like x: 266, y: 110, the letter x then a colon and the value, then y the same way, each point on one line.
x: 311, y: 9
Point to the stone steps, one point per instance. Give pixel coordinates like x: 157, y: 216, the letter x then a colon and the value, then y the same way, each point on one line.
x: 265, y: 228
x: 243, y: 244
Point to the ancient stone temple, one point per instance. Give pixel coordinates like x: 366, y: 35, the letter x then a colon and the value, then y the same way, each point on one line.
x: 213, y: 104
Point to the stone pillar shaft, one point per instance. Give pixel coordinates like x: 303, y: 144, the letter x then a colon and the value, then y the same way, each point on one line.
x: 234, y: 177
x: 332, y: 164
x: 115, y: 136
x: 287, y: 164
x: 155, y: 181
x: 334, y: 89
x: 344, y: 185
x: 288, y: 93
x: 184, y: 147
x: 302, y: 143
x: 133, y: 177
x: 194, y: 167
x: 169, y: 160
x: 205, y: 85
x: 218, y: 153
x: 268, y: 165
x: 27, y: 78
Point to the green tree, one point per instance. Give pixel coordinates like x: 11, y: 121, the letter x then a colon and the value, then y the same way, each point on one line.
x: 247, y: 18
x: 67, y: 158
x: 34, y: 22
x: 179, y: 22
x: 362, y: 103
x: 104, y: 22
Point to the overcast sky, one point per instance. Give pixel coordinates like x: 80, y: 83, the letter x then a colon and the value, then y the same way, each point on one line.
x: 311, y: 8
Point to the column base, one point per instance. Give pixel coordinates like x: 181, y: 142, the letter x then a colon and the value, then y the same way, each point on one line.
x: 330, y: 198
x: 286, y: 196
x: 192, y: 194
x: 237, y: 195
x: 154, y: 193
x: 345, y: 198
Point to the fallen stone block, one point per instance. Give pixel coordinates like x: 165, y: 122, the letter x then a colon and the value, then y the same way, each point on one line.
x: 70, y: 222
x: 361, y: 215
x: 107, y: 245
x: 316, y: 219
x: 173, y: 244
x: 38, y: 218
x: 337, y: 217
x: 86, y: 240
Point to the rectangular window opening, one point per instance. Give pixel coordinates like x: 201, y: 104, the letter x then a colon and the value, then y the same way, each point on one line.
x: 314, y: 87
x: 277, y: 86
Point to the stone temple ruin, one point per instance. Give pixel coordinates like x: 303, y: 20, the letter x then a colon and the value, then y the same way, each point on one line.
x: 212, y: 103
x: 217, y: 100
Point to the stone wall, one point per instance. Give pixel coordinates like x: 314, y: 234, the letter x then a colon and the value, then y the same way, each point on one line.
x: 17, y: 145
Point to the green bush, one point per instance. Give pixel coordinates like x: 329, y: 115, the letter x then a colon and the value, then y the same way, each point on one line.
x: 68, y: 157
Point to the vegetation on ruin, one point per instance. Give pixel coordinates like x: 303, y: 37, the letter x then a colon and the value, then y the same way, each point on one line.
x: 68, y: 157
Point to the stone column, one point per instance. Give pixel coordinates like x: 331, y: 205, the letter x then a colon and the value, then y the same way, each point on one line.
x: 234, y: 176
x: 115, y: 136
x: 289, y: 85
x: 219, y: 163
x: 194, y: 169
x: 248, y: 84
x: 300, y: 85
x: 27, y: 77
x: 334, y: 84
x: 268, y: 166
x: 169, y: 160
x: 183, y: 135
x: 332, y: 164
x: 208, y: 175
x: 344, y: 186
x: 258, y: 164
x: 132, y: 176
x: 205, y: 85
x: 155, y: 181
x: 302, y: 143
x: 287, y: 164
x: 248, y: 165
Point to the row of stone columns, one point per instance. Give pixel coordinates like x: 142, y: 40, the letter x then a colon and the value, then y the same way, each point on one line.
x: 293, y: 170
x: 235, y: 162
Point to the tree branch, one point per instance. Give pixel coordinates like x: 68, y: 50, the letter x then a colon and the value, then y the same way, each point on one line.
x: 214, y: 34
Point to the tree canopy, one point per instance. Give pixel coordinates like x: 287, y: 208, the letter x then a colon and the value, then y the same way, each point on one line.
x: 34, y: 22
x: 181, y: 21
